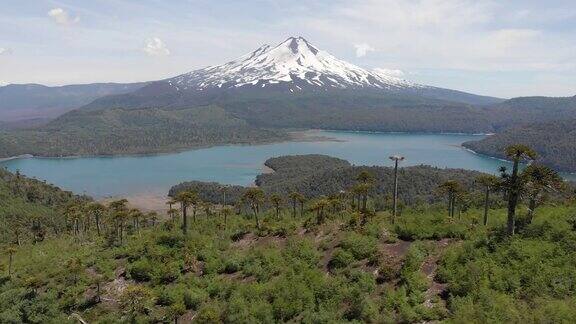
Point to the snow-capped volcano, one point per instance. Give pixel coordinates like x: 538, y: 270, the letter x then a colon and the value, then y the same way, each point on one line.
x: 294, y: 65
x: 295, y: 68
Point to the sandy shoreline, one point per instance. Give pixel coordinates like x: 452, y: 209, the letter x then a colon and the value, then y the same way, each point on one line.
x: 146, y: 201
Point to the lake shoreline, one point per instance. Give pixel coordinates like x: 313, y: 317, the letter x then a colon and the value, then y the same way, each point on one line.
x: 307, y: 135
x: 240, y: 164
x: 294, y: 136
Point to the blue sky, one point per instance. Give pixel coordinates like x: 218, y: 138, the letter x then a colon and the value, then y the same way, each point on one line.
x: 500, y: 48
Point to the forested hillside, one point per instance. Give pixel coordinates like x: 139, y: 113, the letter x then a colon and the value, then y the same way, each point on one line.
x: 555, y: 143
x: 118, y: 131
x: 319, y: 175
x: 232, y: 118
x: 525, y: 110
x: 362, y: 111
x: 31, y: 209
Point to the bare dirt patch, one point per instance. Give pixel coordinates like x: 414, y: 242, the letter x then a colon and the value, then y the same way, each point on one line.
x: 147, y: 202
x: 429, y: 268
x: 396, y: 250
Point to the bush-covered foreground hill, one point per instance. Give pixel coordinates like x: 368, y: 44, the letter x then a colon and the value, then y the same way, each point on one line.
x: 328, y: 263
x: 426, y: 267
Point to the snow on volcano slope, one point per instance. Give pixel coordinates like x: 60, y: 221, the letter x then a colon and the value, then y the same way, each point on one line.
x: 294, y: 63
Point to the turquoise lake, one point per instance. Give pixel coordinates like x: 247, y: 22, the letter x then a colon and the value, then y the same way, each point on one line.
x: 236, y: 164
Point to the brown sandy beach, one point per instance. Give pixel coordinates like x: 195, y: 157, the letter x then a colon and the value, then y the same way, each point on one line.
x: 146, y: 202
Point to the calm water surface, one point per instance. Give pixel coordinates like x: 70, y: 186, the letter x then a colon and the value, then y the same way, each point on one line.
x: 129, y: 175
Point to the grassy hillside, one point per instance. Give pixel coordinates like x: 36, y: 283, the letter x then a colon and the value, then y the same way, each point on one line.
x: 555, y: 143
x: 118, y: 131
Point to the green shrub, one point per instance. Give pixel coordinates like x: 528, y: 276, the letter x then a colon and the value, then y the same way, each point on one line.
x: 209, y: 314
x: 361, y: 246
x: 166, y: 273
x: 167, y: 297
x: 340, y: 259
x: 387, y: 272
x: 193, y: 298
x: 170, y: 239
x: 141, y: 270
x: 301, y: 251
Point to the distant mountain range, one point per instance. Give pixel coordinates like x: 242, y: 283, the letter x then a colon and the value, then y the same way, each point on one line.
x: 251, y: 99
x: 35, y: 101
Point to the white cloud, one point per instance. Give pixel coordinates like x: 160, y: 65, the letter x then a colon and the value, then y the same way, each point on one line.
x: 474, y: 35
x: 5, y: 51
x: 390, y: 72
x: 363, y: 49
x: 61, y: 17
x: 156, y: 47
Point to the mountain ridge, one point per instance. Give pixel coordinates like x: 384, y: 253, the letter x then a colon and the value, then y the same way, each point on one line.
x: 32, y: 101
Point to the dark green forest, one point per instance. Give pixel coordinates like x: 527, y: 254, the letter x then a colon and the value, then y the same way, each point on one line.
x: 320, y: 175
x: 118, y: 131
x: 555, y: 143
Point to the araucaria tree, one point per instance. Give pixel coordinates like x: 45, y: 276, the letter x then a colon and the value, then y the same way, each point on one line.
x: 295, y: 198
x: 396, y: 159
x: 226, y: 212
x: 119, y: 214
x: 362, y: 189
x: 186, y: 198
x: 97, y: 210
x: 319, y: 206
x: 512, y: 182
x: 136, y: 215
x: 450, y: 188
x: 538, y: 180
x: 276, y: 200
x: 488, y: 183
x: 255, y: 197
x: 10, y: 251
x: 74, y: 215
x: 120, y: 217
